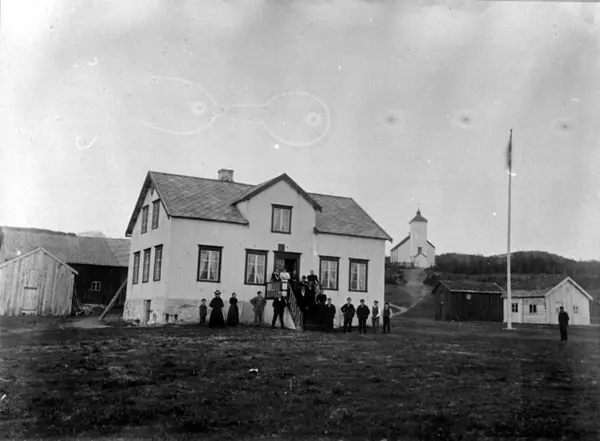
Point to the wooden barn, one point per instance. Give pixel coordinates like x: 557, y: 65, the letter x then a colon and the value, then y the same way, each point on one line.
x: 36, y: 283
x: 542, y: 305
x: 468, y: 301
x: 101, y: 262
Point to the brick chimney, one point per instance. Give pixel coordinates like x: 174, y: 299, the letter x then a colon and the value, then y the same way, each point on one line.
x: 226, y: 175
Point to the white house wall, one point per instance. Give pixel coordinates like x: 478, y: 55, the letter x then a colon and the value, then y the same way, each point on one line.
x: 137, y: 293
x: 566, y: 295
x: 184, y: 292
x: 570, y: 296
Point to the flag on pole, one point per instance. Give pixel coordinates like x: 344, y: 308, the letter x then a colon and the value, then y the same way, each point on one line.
x: 509, y: 153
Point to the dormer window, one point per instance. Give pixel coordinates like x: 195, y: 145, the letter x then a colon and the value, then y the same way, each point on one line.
x: 281, y: 219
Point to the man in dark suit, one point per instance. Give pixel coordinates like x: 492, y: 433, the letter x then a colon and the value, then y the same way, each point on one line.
x: 563, y: 322
x: 279, y: 305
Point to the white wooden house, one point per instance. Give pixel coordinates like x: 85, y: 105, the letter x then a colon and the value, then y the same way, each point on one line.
x: 191, y: 236
x: 542, y: 305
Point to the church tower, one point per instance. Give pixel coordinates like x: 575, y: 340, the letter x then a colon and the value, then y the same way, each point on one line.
x: 418, y: 237
x: 415, y: 250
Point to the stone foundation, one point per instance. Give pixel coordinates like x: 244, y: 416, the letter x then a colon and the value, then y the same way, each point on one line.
x: 180, y: 311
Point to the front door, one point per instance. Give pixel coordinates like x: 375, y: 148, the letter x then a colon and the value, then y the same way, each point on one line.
x: 289, y: 261
x: 31, y: 292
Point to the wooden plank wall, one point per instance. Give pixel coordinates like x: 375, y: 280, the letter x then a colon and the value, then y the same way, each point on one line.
x: 54, y: 282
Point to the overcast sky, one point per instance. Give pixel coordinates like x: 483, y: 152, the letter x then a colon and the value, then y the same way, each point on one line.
x: 418, y: 101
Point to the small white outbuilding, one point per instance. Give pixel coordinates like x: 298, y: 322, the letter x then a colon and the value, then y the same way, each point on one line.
x: 542, y: 305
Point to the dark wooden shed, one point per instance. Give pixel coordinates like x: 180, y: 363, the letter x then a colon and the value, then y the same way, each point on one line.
x: 468, y: 301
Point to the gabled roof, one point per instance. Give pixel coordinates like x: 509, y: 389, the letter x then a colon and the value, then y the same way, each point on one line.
x: 418, y: 218
x: 470, y: 286
x: 544, y: 292
x: 268, y: 184
x: 66, y: 247
x: 402, y: 242
x: 215, y: 200
x: 23, y: 256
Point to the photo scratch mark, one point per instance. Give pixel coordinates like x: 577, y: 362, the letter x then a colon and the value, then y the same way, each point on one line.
x: 81, y: 146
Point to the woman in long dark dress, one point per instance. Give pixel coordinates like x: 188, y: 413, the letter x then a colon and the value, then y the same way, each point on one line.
x: 233, y: 317
x: 216, y: 315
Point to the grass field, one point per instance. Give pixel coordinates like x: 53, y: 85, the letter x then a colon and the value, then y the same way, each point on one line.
x: 427, y: 380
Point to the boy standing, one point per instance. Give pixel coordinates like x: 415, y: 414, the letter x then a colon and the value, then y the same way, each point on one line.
x: 387, y: 314
x: 330, y: 315
x: 362, y: 312
x: 375, y: 316
x: 348, y: 310
x: 203, y: 312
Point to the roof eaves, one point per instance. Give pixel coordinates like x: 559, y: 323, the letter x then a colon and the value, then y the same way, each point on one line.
x: 350, y: 235
x: 223, y: 221
x: 402, y: 242
x: 138, y: 205
x: 29, y: 253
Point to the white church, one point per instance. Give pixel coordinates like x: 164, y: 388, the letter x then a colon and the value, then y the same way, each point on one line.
x: 415, y: 250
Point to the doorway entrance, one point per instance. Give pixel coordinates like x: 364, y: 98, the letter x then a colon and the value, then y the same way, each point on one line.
x: 289, y: 261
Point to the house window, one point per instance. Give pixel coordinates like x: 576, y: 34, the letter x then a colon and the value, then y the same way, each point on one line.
x: 256, y: 267
x: 515, y: 308
x: 155, y: 213
x: 533, y: 309
x: 575, y: 309
x: 329, y: 272
x: 281, y: 219
x: 209, y: 264
x: 146, y: 268
x: 95, y: 286
x: 419, y: 250
x: 144, y: 219
x: 157, y: 262
x: 136, y: 268
x: 358, y: 275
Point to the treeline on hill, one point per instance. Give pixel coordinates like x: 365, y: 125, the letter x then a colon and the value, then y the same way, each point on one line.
x: 529, y: 269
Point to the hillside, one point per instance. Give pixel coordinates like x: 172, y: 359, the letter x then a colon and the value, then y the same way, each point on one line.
x: 529, y: 270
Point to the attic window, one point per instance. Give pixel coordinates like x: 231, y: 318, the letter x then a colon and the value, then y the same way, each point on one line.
x: 155, y: 214
x: 281, y: 219
x: 144, y: 219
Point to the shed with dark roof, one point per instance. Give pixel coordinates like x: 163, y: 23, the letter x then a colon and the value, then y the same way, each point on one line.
x: 468, y: 301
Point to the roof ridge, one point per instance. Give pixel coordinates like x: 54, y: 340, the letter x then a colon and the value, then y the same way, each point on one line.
x: 203, y: 178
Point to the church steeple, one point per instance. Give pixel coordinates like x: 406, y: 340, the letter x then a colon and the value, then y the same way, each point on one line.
x: 418, y: 217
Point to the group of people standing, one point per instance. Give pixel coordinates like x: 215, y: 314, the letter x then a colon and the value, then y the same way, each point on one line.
x: 217, y: 319
x: 309, y: 297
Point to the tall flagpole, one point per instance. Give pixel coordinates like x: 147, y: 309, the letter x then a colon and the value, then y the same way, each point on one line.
x: 508, y: 284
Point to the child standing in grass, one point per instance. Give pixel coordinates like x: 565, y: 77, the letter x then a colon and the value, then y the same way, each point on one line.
x: 387, y: 314
x: 375, y: 316
x: 203, y: 312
